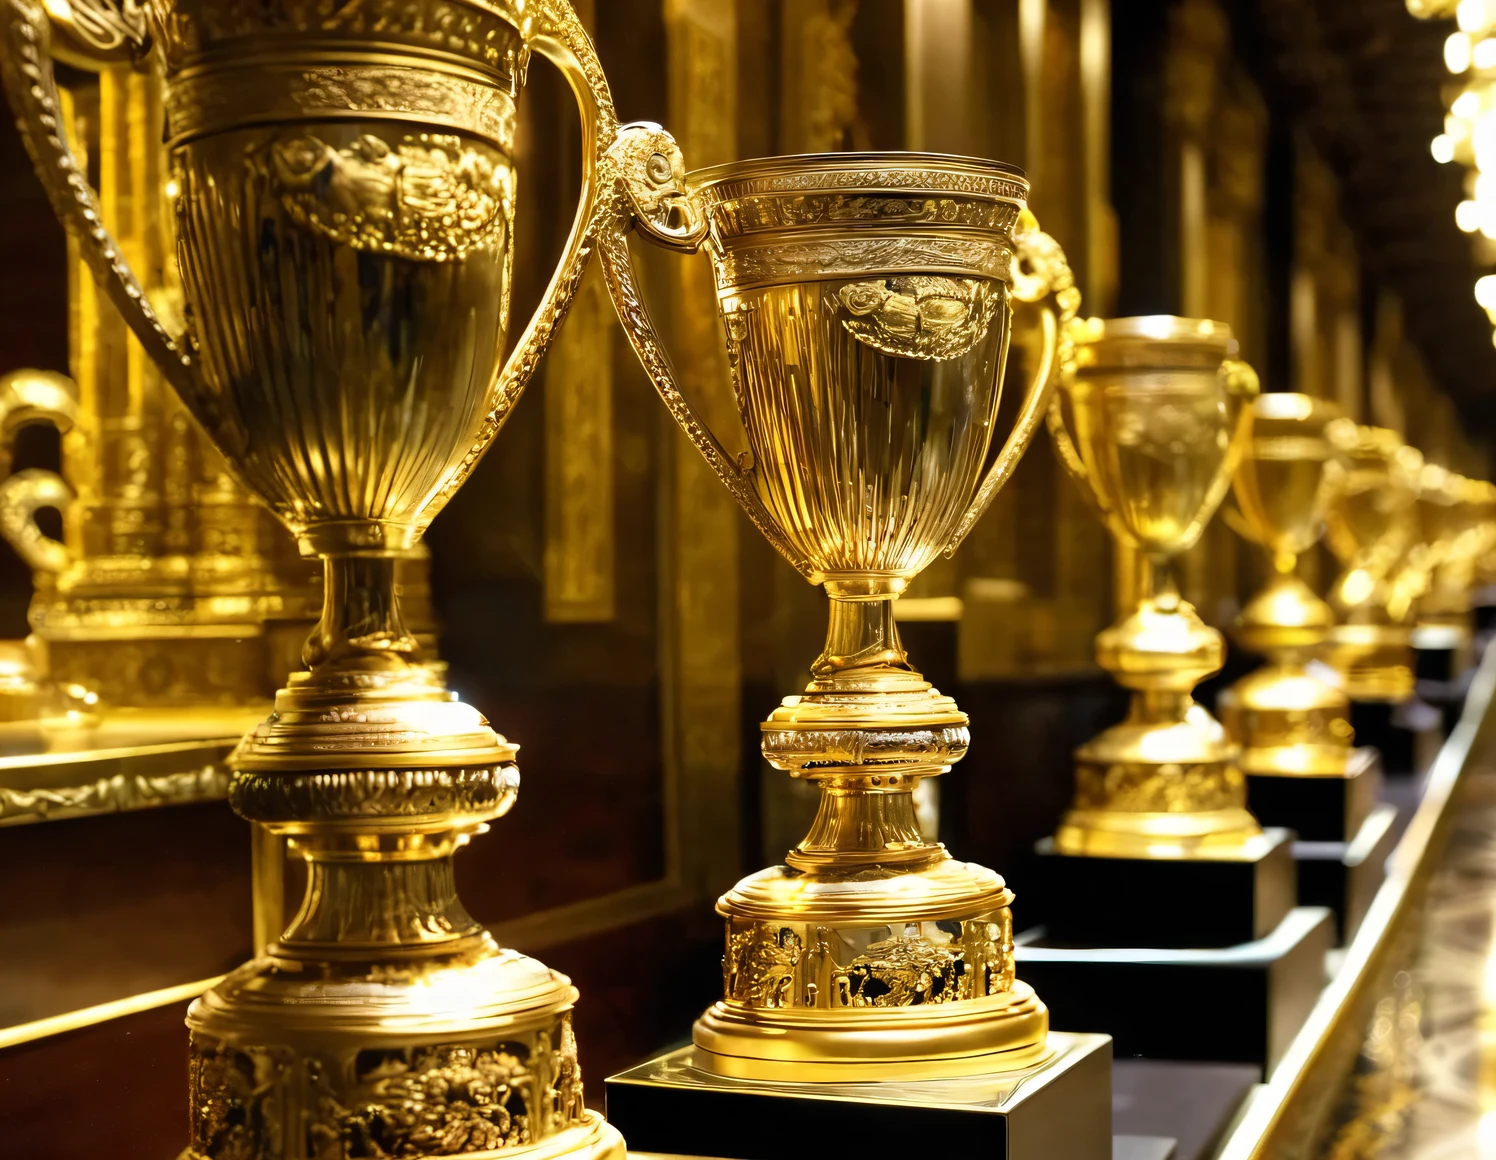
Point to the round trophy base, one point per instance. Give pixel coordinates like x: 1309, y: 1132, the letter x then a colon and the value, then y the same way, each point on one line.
x: 1289, y: 723
x: 462, y: 1050
x: 1230, y: 834
x: 592, y: 1139
x: 890, y: 726
x: 1374, y: 660
x: 1002, y: 1032
x: 401, y: 718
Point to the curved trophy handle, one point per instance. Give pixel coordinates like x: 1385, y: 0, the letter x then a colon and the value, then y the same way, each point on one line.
x: 1041, y: 274
x: 650, y: 194
x: 553, y: 29
x: 27, y: 397
x: 26, y: 69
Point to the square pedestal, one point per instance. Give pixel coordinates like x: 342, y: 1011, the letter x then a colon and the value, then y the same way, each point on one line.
x: 1344, y: 876
x: 1161, y: 902
x: 1407, y: 734
x: 1241, y: 1004
x: 1318, y: 809
x: 1061, y: 1108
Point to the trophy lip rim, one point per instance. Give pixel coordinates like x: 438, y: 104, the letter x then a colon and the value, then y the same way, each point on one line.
x: 769, y: 165
x: 1295, y: 406
x: 1156, y: 328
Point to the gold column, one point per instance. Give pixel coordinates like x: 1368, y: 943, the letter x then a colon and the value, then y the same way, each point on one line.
x: 700, y: 615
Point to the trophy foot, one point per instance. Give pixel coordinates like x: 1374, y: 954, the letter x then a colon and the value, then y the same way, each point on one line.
x: 998, y: 1033
x: 1230, y: 834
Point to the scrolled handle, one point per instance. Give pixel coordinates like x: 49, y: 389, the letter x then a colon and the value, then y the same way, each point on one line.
x: 553, y: 29
x: 647, y: 174
x: 31, y: 87
x: 30, y: 397
x: 1041, y: 276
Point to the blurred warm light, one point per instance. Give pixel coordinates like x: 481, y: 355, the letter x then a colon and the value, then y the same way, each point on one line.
x: 1475, y: 15
x: 1484, y: 55
x: 1467, y: 216
x: 1442, y: 147
x: 1457, y: 52
x: 1485, y: 291
x: 1466, y: 105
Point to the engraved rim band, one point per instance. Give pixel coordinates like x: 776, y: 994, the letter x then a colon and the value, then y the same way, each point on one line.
x: 250, y: 93
x: 826, y: 255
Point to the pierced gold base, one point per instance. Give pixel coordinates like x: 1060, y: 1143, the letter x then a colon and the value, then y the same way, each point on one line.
x: 462, y: 1048
x: 996, y: 1033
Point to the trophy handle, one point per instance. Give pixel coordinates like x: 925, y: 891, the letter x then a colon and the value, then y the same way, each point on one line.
x: 1041, y: 275
x: 553, y: 29
x: 651, y: 195
x: 94, y: 32
x: 27, y: 397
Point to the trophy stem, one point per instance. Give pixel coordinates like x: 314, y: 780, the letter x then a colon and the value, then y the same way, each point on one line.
x: 361, y: 626
x: 403, y: 897
x: 861, y: 633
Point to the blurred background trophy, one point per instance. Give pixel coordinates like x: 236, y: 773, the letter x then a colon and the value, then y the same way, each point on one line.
x: 345, y: 212
x: 1158, y: 849
x: 1373, y: 529
x: 867, y: 306
x: 1291, y: 716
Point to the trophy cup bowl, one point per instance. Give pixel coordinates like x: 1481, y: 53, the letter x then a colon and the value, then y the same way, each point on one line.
x: 1451, y: 511
x: 344, y: 187
x: 867, y: 303
x: 1152, y: 425
x: 1288, y: 721
x: 1371, y: 525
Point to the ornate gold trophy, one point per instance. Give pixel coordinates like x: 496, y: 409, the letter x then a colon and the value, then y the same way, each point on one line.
x: 867, y: 306
x: 1288, y: 720
x: 1373, y: 484
x: 344, y: 191
x: 1152, y: 426
x: 1451, y: 510
x: 1292, y: 722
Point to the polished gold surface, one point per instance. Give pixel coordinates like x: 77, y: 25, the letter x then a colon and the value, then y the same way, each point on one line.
x: 867, y: 301
x: 1152, y: 425
x: 344, y: 214
x: 1287, y: 720
x: 1374, y: 481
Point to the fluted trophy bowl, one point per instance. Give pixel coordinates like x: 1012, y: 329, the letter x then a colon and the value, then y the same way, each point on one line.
x: 1288, y: 720
x: 1152, y: 426
x: 867, y: 302
x: 343, y: 181
x: 1372, y: 527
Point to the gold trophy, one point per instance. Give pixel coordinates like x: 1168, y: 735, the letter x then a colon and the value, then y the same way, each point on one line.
x: 1452, y: 513
x: 867, y: 304
x: 1371, y: 525
x: 1288, y: 721
x: 344, y: 195
x: 1152, y: 425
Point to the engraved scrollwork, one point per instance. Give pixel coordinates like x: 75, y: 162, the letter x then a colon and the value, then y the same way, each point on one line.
x: 235, y: 1099
x: 759, y: 969
x: 903, y: 972
x: 374, y: 793
x: 1170, y: 788
x: 432, y: 197
x: 920, y: 316
x: 115, y: 794
x: 746, y: 266
x: 433, y: 1101
x: 104, y: 26
x: 798, y: 748
x: 900, y: 178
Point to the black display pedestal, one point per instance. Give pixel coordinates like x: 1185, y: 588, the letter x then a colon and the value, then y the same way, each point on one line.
x: 1240, y: 1004
x: 1344, y: 876
x: 1062, y: 1108
x: 1407, y: 734
x: 1318, y: 809
x: 1162, y: 902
